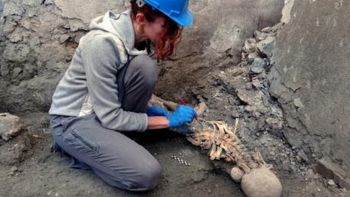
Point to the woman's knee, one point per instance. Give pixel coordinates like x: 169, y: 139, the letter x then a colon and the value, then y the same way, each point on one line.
x: 146, y: 176
x: 150, y: 175
x: 143, y: 175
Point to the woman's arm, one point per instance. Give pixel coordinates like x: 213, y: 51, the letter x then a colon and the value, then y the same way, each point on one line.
x: 157, y: 122
x: 100, y: 57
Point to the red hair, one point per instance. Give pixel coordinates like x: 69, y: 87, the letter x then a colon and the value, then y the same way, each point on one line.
x: 172, y: 37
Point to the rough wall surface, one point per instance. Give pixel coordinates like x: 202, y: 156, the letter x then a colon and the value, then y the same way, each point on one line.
x: 1, y: 7
x: 38, y: 38
x: 311, y: 79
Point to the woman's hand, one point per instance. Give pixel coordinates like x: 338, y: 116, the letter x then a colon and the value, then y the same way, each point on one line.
x: 161, y: 118
x: 182, y: 115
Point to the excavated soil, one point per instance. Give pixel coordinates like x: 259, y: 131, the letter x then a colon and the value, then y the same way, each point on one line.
x: 28, y: 167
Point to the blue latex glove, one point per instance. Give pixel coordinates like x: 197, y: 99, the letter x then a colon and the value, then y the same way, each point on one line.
x: 182, y: 115
x: 156, y: 111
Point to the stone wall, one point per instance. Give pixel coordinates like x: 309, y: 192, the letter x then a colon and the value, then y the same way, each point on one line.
x: 311, y: 79
x: 1, y: 7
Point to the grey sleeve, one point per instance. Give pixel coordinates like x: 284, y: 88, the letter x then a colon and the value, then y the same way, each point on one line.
x: 100, y: 57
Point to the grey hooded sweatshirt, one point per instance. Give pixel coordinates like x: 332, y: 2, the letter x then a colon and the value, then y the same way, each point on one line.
x: 90, y: 82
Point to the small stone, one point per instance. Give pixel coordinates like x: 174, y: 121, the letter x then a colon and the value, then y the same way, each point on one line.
x: 256, y: 114
x: 15, y: 37
x: 257, y: 84
x: 260, y: 35
x: 257, y: 66
x: 266, y: 46
x: 76, y: 25
x: 274, y: 123
x: 235, y: 114
x: 9, y: 125
x: 250, y: 45
x: 252, y: 56
x: 298, y: 103
x: 48, y: 2
x: 249, y: 108
x: 16, y: 71
x: 248, y: 86
x: 236, y: 174
x: 310, y: 174
x: 266, y: 29
x: 303, y: 156
x: 331, y: 182
x: 13, y: 170
x: 293, y: 169
x: 256, y: 70
x: 63, y: 38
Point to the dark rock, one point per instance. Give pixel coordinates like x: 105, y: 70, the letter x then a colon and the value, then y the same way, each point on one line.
x: 311, y: 92
x: 274, y: 123
x: 266, y: 46
x: 48, y: 2
x: 303, y: 156
x: 258, y: 66
x: 331, y: 171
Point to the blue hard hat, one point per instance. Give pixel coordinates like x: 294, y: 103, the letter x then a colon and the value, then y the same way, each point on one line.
x: 177, y: 10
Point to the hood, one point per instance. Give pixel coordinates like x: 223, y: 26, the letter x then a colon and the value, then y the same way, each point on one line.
x: 119, y: 25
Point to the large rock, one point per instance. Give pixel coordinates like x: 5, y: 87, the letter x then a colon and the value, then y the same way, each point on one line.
x: 10, y: 125
x: 38, y: 38
x: 261, y: 182
x: 311, y: 79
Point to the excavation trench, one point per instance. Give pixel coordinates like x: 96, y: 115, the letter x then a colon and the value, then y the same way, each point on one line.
x: 230, y: 59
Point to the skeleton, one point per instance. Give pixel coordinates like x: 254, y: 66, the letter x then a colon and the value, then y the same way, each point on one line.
x: 222, y: 142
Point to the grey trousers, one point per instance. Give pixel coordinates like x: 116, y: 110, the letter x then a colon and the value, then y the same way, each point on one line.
x: 115, y: 158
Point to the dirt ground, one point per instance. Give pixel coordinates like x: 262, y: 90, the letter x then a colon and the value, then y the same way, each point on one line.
x: 36, y: 171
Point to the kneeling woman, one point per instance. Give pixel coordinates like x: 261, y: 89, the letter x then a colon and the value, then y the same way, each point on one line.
x: 106, y: 89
